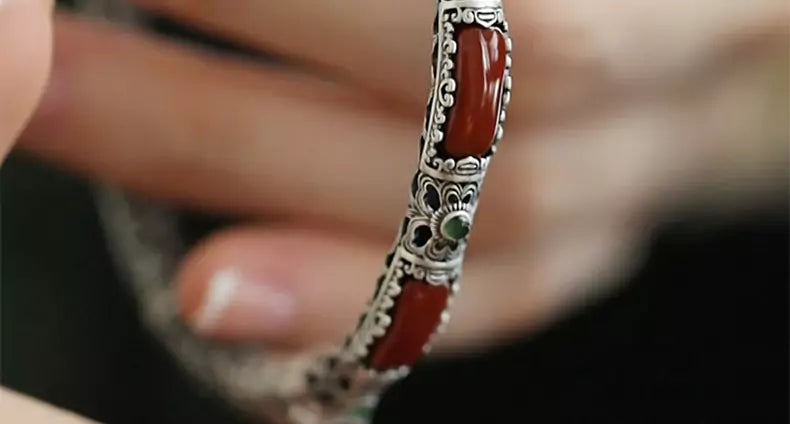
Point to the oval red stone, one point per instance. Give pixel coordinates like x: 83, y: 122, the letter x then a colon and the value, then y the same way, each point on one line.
x: 416, y: 315
x: 480, y: 73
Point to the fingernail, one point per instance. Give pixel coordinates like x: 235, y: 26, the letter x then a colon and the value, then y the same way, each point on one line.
x: 237, y: 307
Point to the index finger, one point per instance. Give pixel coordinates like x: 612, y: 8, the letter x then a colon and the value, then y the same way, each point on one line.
x: 570, y: 54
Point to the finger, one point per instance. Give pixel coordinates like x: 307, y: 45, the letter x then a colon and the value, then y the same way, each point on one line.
x: 214, y: 132
x: 520, y: 292
x: 575, y: 52
x: 18, y: 408
x: 25, y: 47
x: 298, y: 287
x: 292, y: 287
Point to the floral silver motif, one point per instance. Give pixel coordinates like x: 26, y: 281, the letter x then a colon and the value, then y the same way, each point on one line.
x: 434, y: 200
x: 326, y: 385
x: 444, y: 189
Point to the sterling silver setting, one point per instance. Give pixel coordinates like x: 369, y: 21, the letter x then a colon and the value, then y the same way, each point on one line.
x: 333, y: 384
x: 442, y: 189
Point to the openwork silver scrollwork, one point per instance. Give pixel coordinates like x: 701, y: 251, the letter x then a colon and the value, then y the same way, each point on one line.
x: 433, y: 237
x: 333, y: 385
x: 488, y: 14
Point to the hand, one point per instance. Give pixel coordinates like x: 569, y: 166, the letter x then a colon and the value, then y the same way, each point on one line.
x: 621, y: 111
x: 16, y: 408
x: 25, y: 53
x: 25, y: 50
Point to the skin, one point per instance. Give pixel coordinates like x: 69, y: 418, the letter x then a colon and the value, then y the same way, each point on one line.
x: 623, y: 112
x: 25, y: 43
x: 16, y: 408
x: 25, y: 46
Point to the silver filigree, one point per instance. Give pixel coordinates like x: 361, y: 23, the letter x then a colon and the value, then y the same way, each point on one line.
x: 446, y: 189
x: 322, y: 386
x: 424, y: 239
x: 487, y: 14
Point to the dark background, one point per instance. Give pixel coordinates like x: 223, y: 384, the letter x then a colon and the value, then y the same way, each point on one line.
x: 699, y: 335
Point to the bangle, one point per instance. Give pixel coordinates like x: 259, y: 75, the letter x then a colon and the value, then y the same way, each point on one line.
x: 464, y: 120
x: 470, y: 92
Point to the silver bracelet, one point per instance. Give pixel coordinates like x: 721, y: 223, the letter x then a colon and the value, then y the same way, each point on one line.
x: 464, y: 120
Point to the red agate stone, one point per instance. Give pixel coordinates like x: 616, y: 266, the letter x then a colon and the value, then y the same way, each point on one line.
x: 480, y: 77
x: 416, y: 314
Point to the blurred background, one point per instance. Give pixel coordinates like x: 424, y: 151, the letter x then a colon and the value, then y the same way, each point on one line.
x: 697, y: 334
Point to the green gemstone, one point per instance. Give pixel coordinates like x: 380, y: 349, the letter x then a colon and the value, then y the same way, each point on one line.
x: 363, y: 413
x: 456, y: 228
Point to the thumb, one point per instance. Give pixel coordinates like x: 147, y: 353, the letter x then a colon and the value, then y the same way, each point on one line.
x: 25, y: 54
x: 289, y: 287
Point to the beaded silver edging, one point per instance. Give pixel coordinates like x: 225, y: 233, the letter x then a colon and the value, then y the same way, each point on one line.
x: 330, y: 385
